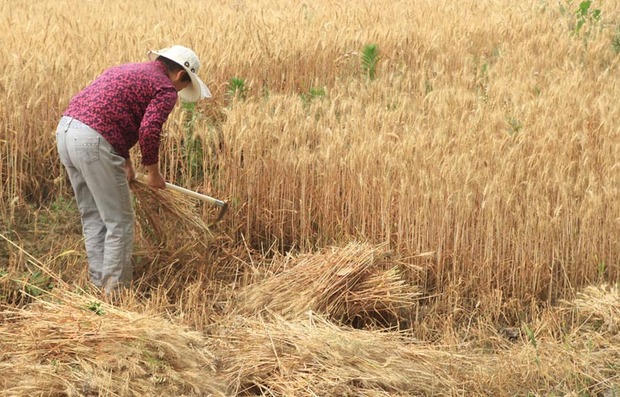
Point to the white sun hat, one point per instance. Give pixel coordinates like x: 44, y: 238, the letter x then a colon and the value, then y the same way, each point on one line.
x: 189, y: 61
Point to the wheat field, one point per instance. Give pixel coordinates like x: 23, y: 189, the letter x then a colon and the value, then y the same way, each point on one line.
x: 452, y: 203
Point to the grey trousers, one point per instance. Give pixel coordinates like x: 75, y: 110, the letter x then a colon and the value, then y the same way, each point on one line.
x: 98, y: 178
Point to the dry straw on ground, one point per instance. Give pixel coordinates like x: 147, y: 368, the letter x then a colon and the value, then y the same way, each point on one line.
x: 359, y: 284
x: 307, y: 356
x: 601, y: 306
x: 72, y: 344
x: 177, y: 244
x: 311, y: 356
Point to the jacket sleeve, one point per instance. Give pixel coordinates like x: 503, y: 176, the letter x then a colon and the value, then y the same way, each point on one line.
x: 156, y: 114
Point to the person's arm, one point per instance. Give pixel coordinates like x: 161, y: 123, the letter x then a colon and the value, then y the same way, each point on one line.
x: 156, y: 114
x: 154, y: 178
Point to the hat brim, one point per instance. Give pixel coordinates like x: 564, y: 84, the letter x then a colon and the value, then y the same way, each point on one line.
x: 196, y: 90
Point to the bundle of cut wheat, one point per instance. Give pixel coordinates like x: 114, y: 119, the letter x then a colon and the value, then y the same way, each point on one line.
x: 73, y: 344
x: 357, y: 285
x: 313, y: 357
x: 168, y: 217
x: 599, y: 306
x: 175, y: 244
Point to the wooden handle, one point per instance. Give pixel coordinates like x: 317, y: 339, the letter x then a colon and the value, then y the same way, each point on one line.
x: 191, y: 193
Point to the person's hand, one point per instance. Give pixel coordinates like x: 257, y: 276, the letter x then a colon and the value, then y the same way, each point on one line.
x: 129, y: 170
x: 154, y: 178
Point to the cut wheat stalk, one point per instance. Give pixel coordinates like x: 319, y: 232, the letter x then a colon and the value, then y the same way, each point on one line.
x: 358, y: 285
x: 167, y: 215
x: 199, y: 196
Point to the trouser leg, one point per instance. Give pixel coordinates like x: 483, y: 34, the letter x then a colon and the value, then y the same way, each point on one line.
x: 93, y: 228
x: 102, y: 192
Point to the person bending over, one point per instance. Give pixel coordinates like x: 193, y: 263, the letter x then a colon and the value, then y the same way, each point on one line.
x: 125, y: 105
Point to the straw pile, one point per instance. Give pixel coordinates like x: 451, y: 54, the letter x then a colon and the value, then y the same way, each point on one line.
x: 175, y: 246
x: 313, y: 357
x: 166, y: 216
x: 599, y: 306
x: 70, y: 344
x: 359, y: 285
x: 62, y: 343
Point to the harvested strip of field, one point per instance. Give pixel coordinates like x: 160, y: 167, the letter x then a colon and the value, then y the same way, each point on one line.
x: 73, y: 344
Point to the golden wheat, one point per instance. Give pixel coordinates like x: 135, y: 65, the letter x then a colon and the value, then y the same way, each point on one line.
x: 485, y: 153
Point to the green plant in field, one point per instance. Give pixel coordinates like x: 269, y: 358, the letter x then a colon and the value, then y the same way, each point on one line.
x: 428, y: 86
x: 615, y: 42
x: 237, y: 88
x: 312, y: 94
x: 515, y: 125
x: 19, y: 287
x: 309, y: 13
x: 532, y: 337
x: 584, y: 16
x: 37, y: 283
x: 153, y: 360
x: 189, y: 117
x: 482, y: 80
x: 370, y: 58
x: 61, y: 204
x: 192, y: 145
x: 96, y: 308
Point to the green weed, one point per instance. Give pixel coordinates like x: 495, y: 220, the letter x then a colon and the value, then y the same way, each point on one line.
x: 96, y: 308
x: 583, y: 19
x: 237, y: 88
x: 532, y: 337
x: 515, y: 125
x: 370, y: 58
x: 313, y: 94
x: 192, y: 145
x: 37, y: 283
x: 586, y: 14
x: 19, y: 288
x: 615, y: 42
